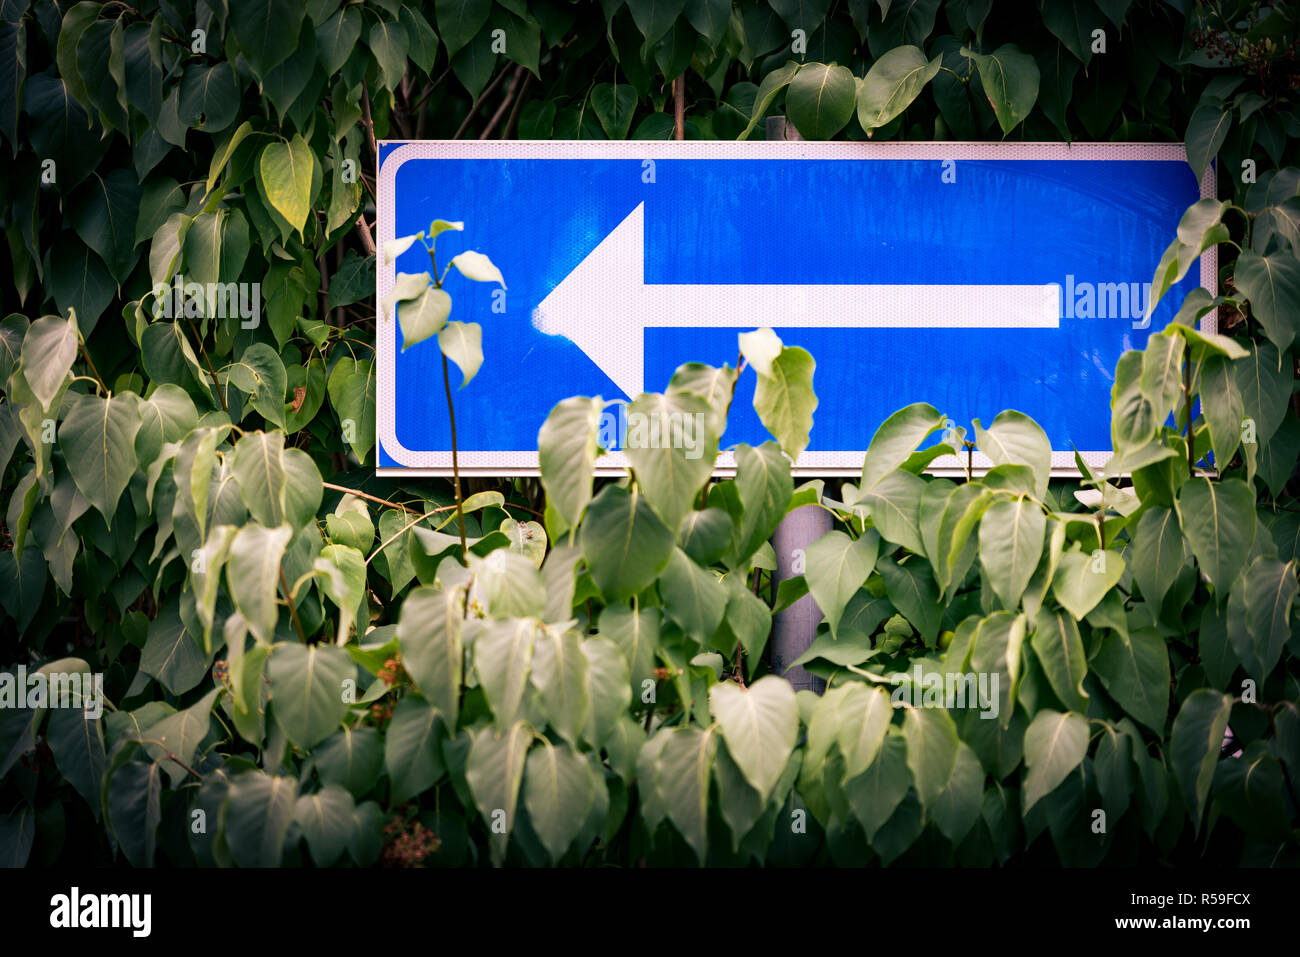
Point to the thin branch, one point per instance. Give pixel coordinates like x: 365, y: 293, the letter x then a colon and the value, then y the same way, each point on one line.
x: 221, y: 395
x: 679, y: 108
x: 505, y: 103
x: 293, y: 609
x: 455, y: 460
x: 85, y: 354
x: 479, y: 102
x: 372, y: 498
x: 512, y: 124
x: 363, y: 230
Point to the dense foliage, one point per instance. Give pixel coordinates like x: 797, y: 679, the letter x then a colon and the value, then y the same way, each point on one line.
x: 305, y: 663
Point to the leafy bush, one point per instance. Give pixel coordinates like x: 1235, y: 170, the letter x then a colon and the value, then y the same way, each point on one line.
x: 299, y: 670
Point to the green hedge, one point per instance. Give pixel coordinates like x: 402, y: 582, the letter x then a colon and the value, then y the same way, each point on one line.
x: 303, y: 663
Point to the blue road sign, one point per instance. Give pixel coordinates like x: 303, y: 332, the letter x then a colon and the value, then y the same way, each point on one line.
x: 975, y: 277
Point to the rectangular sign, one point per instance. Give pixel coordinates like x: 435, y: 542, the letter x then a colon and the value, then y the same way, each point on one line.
x: 976, y: 277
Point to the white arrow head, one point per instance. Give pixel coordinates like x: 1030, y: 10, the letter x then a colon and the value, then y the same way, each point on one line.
x: 598, y: 305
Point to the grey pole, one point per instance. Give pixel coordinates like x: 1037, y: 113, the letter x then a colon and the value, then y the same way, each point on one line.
x: 793, y: 630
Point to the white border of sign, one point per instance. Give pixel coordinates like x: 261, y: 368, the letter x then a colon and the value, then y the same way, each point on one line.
x: 524, y: 462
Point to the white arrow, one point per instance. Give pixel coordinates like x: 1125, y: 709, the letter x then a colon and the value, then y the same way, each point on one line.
x: 604, y: 305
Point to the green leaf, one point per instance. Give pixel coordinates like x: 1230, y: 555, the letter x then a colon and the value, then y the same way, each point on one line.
x: 503, y: 656
x: 785, y: 401
x: 459, y: 21
x: 134, y: 809
x: 1265, y: 387
x: 423, y: 316
x: 1158, y: 552
x: 1272, y: 284
x: 567, y: 446
x: 1010, y: 80
x: 429, y: 632
x: 875, y: 794
x: 682, y: 769
x: 1224, y: 406
x: 337, y: 37
x: 327, y: 821
x: 507, y: 584
x: 637, y: 635
x: 1073, y: 23
x: 307, y: 689
x: 284, y: 177
x: 1194, y: 746
x: 558, y: 792
x: 819, y: 101
x: 462, y: 343
x: 48, y: 350
x: 1082, y: 580
x: 837, y: 566
x: 17, y: 833
x: 654, y: 18
x: 1011, y: 544
x: 765, y: 486
x: 77, y: 741
x: 494, y: 772
x: 1055, y: 744
x: 932, y: 746
x: 1059, y: 649
x: 412, y: 755
x: 1218, y: 519
x: 351, y: 758
x: 258, y: 812
x: 624, y: 543
x: 352, y: 393
x: 863, y: 718
x: 760, y: 349
x: 1013, y: 438
x: 1161, y: 380
x: 705, y: 535
x: 341, y: 572
x: 171, y: 653
x: 260, y: 28
x: 260, y: 473
x: 1134, y: 668
x: 672, y: 449
x: 913, y: 591
x: 180, y: 734
x: 772, y: 84
x: 760, y: 725
x: 559, y: 674
x: 958, y: 806
x: 1250, y: 791
x: 996, y: 649
x: 98, y: 442
x: 892, y: 83
x: 388, y: 44
x: 103, y: 212
x: 1206, y: 131
x: 607, y: 690
x: 896, y: 439
x: 253, y: 575
x: 693, y: 596
x: 614, y: 106
x: 895, y: 503
x: 1268, y: 590
x: 474, y: 265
